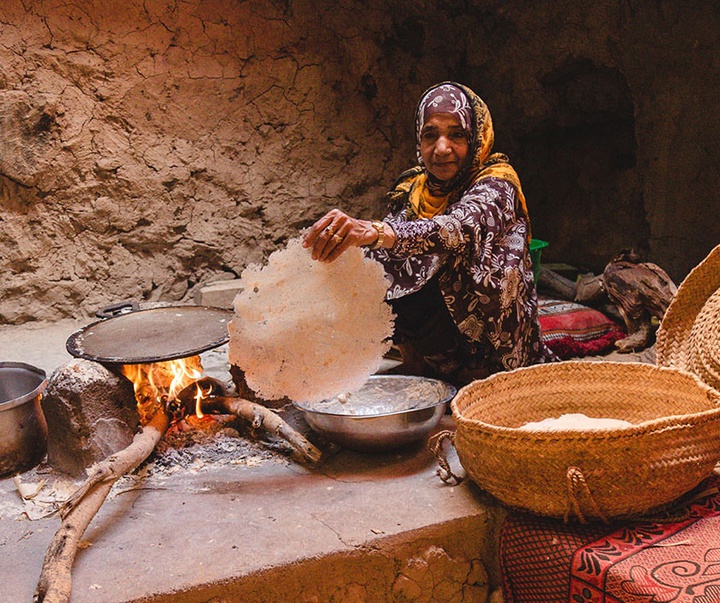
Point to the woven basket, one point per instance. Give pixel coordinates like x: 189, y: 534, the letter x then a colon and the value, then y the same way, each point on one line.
x: 588, y: 474
x: 689, y: 335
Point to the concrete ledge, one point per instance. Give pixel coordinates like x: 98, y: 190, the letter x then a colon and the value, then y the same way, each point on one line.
x: 442, y: 562
x: 269, y: 531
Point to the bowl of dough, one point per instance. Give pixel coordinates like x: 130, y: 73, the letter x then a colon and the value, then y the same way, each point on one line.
x: 387, y: 412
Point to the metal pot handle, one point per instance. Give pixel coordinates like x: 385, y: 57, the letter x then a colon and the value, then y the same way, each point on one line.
x: 117, y: 309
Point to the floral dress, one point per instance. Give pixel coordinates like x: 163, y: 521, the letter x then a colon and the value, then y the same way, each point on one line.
x: 477, y: 252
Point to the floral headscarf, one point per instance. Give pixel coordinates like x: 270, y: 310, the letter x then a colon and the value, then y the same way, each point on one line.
x: 445, y: 98
x: 429, y: 197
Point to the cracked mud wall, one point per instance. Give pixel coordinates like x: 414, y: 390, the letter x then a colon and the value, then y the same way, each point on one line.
x: 147, y: 148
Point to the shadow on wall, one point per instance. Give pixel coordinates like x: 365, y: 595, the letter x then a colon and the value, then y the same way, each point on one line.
x: 580, y: 168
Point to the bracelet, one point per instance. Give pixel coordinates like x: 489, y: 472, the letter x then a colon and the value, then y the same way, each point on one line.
x: 380, y: 227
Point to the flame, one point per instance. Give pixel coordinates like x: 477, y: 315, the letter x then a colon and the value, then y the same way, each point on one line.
x: 199, y: 395
x: 158, y: 383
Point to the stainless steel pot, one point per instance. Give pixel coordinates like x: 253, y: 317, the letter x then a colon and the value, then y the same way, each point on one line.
x: 23, y: 430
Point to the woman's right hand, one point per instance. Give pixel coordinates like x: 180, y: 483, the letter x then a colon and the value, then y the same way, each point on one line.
x: 335, y: 232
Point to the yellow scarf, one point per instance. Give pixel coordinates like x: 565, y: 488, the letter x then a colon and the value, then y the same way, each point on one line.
x: 426, y: 205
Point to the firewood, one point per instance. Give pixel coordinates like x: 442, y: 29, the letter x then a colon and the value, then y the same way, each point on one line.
x: 590, y: 289
x: 55, y: 583
x: 638, y: 287
x: 641, y: 291
x: 259, y: 416
x: 122, y: 462
x: 556, y: 283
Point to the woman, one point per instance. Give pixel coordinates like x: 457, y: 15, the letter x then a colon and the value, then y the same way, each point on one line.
x: 455, y: 247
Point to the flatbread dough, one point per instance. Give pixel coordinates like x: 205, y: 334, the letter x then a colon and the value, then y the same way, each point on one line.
x: 308, y: 330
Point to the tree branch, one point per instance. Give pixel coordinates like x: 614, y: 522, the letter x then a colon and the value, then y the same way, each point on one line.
x: 55, y: 583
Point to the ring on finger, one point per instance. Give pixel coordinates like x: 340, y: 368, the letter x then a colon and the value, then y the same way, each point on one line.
x: 337, y: 238
x: 330, y: 231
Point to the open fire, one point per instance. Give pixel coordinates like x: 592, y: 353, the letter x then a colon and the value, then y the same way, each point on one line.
x: 166, y: 393
x: 178, y: 390
x: 158, y: 386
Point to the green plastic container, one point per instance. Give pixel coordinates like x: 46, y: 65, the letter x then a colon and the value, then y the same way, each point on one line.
x: 536, y: 247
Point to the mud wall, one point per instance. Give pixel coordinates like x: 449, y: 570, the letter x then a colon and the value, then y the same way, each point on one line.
x: 150, y: 147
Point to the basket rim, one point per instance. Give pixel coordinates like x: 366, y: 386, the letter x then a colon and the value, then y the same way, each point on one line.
x: 659, y: 424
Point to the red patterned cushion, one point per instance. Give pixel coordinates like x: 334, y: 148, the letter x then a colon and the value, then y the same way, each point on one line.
x: 669, y: 558
x: 572, y: 330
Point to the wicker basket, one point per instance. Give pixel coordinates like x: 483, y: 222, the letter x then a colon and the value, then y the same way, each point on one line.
x: 689, y: 335
x: 588, y: 474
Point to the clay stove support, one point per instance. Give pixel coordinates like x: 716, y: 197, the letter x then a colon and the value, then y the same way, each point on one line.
x: 91, y: 413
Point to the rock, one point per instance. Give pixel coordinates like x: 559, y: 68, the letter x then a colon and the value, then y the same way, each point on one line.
x: 220, y: 293
x: 91, y: 413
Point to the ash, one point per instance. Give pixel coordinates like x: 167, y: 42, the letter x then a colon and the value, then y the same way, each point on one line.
x: 189, y: 447
x: 197, y: 449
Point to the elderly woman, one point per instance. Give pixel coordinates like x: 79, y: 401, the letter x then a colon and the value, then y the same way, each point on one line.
x: 455, y: 247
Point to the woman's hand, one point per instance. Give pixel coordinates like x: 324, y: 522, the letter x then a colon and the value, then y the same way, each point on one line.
x: 335, y: 232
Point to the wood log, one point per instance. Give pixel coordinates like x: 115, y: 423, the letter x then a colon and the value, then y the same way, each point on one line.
x: 55, y: 583
x: 261, y: 417
x: 217, y: 400
x: 590, y: 289
x: 556, y: 283
x: 641, y: 291
x: 639, y: 287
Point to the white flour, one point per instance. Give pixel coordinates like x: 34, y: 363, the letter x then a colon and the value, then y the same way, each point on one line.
x: 575, y: 422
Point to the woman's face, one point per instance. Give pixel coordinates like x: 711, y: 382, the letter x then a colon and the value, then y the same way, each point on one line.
x: 443, y: 146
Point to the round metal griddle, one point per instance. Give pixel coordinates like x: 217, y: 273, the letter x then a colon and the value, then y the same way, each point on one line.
x: 152, y: 335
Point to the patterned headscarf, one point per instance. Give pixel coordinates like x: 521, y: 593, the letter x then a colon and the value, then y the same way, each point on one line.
x: 428, y: 196
x: 445, y: 98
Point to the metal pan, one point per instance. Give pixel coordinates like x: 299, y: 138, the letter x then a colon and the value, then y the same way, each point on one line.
x: 152, y: 335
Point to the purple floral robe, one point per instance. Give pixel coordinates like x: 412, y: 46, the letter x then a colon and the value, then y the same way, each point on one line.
x: 478, y: 248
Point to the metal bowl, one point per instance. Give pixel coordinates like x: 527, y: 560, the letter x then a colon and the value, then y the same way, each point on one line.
x: 23, y: 430
x: 388, y: 412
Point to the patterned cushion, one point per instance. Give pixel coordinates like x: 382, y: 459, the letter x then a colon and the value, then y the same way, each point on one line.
x: 572, y: 330
x: 672, y: 557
